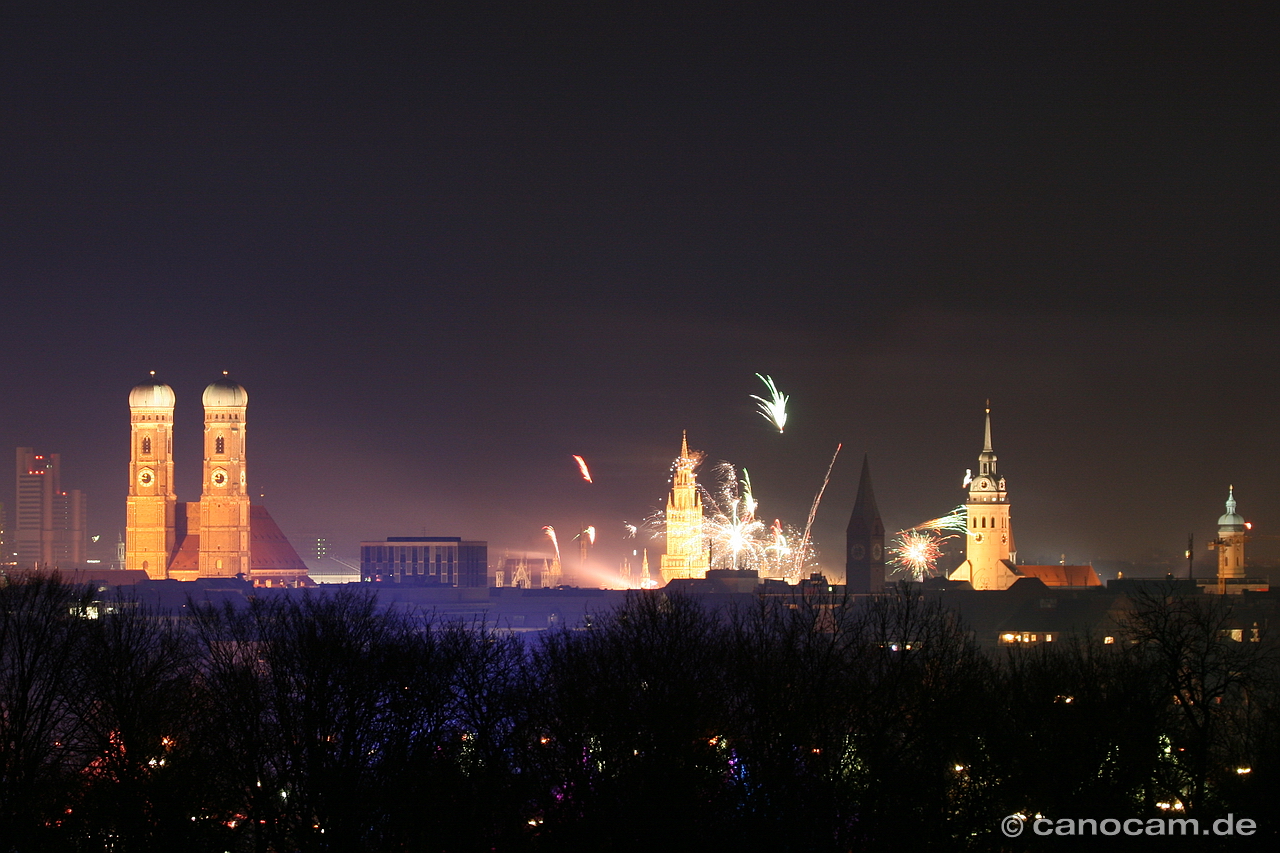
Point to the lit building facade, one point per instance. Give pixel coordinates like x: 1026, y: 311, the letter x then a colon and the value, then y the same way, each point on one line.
x: 1233, y: 531
x: 688, y: 554
x: 221, y: 535
x: 991, y: 557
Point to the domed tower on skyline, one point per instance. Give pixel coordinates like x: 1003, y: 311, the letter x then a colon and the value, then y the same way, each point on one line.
x: 688, y: 555
x: 224, y: 500
x: 150, y: 513
x: 1230, y: 544
x: 220, y: 535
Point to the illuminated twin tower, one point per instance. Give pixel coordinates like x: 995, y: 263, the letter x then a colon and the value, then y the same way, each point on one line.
x: 221, y: 535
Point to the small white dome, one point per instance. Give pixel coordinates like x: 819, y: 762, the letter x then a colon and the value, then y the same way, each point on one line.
x: 151, y: 395
x: 224, y: 394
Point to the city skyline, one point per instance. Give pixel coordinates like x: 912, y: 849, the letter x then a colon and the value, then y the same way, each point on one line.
x: 448, y: 252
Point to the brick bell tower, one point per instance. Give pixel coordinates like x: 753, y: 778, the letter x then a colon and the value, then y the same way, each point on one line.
x: 224, y: 502
x: 151, y: 505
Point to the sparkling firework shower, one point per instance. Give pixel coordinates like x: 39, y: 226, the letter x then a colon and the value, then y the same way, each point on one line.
x: 916, y: 550
x: 916, y: 553
x: 773, y: 409
x: 582, y: 466
x: 741, y: 540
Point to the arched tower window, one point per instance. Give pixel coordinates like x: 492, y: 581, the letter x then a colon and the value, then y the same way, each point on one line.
x: 146, y: 445
x: 219, y: 445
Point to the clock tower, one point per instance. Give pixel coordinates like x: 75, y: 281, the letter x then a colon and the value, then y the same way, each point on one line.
x: 224, y: 502
x: 687, y: 553
x: 990, y: 536
x: 864, y: 540
x: 151, y: 505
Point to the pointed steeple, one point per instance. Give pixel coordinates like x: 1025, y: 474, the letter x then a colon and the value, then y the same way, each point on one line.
x: 864, y: 563
x: 865, y: 511
x: 987, y: 458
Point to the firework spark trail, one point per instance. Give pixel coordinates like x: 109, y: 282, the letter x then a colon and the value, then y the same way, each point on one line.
x: 588, y: 533
x: 956, y: 521
x: 551, y: 534
x: 631, y: 529
x: 582, y: 466
x: 813, y: 511
x: 774, y: 409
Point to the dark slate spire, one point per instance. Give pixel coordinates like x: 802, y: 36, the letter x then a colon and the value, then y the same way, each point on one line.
x: 864, y: 564
x: 865, y: 512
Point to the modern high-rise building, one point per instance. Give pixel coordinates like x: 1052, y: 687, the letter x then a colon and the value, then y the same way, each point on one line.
x: 688, y: 555
x: 221, y: 535
x: 50, y: 528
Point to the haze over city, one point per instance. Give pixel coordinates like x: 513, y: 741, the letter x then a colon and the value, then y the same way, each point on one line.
x: 445, y: 252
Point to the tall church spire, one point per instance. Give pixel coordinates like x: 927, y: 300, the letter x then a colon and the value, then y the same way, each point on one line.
x: 989, y: 543
x: 987, y: 458
x: 864, y: 563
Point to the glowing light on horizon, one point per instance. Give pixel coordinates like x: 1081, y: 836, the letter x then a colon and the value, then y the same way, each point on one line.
x: 582, y: 466
x: 773, y: 409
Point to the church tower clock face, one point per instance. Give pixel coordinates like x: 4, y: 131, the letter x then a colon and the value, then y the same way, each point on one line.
x: 857, y: 552
x: 146, y: 477
x: 219, y: 478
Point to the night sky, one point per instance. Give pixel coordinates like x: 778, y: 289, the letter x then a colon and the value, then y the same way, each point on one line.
x: 446, y: 250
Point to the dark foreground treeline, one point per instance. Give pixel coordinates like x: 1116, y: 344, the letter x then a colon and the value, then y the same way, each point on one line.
x: 319, y: 722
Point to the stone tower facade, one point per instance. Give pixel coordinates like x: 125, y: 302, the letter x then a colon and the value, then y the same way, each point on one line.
x: 687, y: 553
x: 220, y: 535
x: 151, y: 507
x: 1230, y: 544
x: 224, y: 501
x: 989, y: 548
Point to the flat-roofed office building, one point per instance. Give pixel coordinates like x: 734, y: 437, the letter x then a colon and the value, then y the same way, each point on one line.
x: 425, y: 561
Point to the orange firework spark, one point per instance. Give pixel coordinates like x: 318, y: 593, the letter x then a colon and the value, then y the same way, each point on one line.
x: 582, y: 465
x: 551, y: 534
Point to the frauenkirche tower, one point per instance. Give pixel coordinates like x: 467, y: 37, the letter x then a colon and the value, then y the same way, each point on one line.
x: 221, y: 535
x: 224, y: 501
x: 152, y: 503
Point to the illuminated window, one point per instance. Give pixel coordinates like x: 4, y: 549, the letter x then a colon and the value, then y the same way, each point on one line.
x: 1108, y: 640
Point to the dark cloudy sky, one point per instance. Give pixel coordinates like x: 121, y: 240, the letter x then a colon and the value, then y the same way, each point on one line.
x: 445, y: 250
